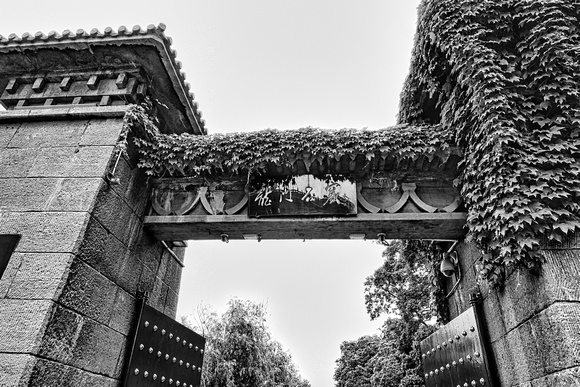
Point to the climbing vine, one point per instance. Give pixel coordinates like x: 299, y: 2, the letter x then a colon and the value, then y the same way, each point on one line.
x: 496, y: 78
x: 255, y: 152
x: 503, y: 76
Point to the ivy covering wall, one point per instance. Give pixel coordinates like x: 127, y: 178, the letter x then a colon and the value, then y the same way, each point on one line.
x: 504, y: 77
x: 499, y: 79
x: 258, y: 152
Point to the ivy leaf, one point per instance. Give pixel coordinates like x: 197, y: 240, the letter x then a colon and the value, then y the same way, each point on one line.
x: 566, y: 227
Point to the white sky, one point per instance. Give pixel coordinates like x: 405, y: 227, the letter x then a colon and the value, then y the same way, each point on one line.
x: 256, y: 64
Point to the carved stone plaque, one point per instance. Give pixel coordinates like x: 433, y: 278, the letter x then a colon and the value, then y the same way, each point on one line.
x: 305, y: 195
x: 454, y: 356
x: 164, y: 353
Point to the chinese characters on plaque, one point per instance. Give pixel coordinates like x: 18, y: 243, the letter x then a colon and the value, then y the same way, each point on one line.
x: 304, y: 195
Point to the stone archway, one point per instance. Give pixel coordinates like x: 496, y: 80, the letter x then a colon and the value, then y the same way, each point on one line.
x: 89, y: 245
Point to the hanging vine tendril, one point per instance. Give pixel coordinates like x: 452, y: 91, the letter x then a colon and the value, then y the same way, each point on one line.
x: 503, y: 76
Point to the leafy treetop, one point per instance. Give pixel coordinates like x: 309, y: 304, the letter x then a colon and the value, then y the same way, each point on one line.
x: 240, y: 350
x: 403, y: 288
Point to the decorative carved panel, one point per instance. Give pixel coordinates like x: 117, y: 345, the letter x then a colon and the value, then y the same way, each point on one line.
x: 183, y: 196
x: 192, y: 208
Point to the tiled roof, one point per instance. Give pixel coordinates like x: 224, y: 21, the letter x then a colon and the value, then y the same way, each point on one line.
x: 108, y: 35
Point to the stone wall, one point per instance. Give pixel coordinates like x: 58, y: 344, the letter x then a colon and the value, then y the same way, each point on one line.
x: 68, y: 294
x: 533, y: 322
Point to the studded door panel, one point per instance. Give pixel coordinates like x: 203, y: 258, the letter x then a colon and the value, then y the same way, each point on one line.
x: 454, y: 356
x: 165, y: 353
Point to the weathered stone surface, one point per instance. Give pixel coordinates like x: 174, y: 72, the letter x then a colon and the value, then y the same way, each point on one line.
x: 102, y: 132
x: 45, y: 232
x: 83, y: 245
x: 40, y: 276
x: 16, y: 162
x: 88, y: 292
x: 48, y: 374
x: 559, y: 329
x: 171, y: 303
x: 48, y: 194
x: 130, y: 272
x: 534, y: 336
x: 152, y: 254
x: 14, y: 369
x: 116, y: 216
x: 124, y: 358
x: 76, y: 340
x: 59, y: 339
x: 21, y: 324
x: 566, y: 378
x: 526, y: 294
x: 48, y: 134
x: 101, y: 250
x: 123, y: 313
x: 158, y: 295
x: 98, y: 348
x: 503, y: 359
x: 21, y: 194
x: 7, y: 131
x: 173, y: 274
x: 10, y: 273
x: 561, y: 271
x: 147, y: 280
x: 547, y: 343
x: 78, y: 194
x: 164, y: 261
x: 133, y: 187
x: 494, y: 320
x: 105, y: 253
x: 71, y: 162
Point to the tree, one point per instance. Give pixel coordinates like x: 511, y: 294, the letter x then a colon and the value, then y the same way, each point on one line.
x: 240, y: 351
x: 400, y: 288
x: 354, y: 366
x: 402, y: 285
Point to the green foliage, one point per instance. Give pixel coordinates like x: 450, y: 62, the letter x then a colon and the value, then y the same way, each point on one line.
x: 403, y: 283
x: 240, y: 351
x: 354, y: 367
x: 255, y: 152
x: 503, y: 76
x: 402, y: 289
x: 496, y: 78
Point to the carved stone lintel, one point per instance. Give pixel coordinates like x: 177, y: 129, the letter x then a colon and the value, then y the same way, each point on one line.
x: 181, y: 197
x: 411, y: 188
x: 178, y: 201
x: 409, y: 194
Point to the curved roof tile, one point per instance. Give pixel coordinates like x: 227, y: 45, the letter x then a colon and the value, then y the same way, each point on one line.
x: 14, y: 41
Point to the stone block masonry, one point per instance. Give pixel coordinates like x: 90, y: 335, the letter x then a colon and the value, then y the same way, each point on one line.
x: 68, y: 294
x: 533, y: 321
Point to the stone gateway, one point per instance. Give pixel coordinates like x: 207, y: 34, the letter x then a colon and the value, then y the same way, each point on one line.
x: 85, y: 234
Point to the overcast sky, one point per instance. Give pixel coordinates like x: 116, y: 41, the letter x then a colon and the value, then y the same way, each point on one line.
x: 256, y: 64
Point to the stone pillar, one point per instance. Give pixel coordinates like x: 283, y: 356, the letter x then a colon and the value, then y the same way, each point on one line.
x: 68, y: 294
x: 533, y: 321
